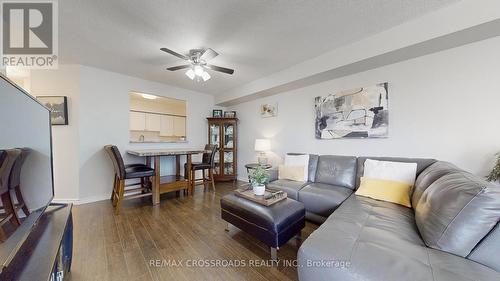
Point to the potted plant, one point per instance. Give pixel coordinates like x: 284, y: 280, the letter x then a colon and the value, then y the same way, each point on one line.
x: 258, y: 178
x: 495, y: 173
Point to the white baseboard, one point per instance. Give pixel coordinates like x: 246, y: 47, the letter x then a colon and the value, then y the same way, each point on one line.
x: 92, y: 199
x: 64, y: 200
x: 86, y: 200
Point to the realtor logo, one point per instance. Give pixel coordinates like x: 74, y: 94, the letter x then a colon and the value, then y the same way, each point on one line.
x: 29, y: 34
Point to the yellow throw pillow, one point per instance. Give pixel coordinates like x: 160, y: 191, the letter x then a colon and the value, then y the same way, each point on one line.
x: 385, y: 190
x: 294, y: 173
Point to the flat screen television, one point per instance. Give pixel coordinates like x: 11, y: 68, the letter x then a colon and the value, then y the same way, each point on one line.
x: 24, y: 122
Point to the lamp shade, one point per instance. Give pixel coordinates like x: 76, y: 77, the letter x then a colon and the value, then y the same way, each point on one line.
x: 262, y: 145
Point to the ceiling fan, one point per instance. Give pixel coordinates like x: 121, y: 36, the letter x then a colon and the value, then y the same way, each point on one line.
x: 197, y: 65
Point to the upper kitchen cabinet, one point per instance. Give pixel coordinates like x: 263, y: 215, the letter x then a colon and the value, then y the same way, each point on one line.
x: 166, y: 125
x: 156, y: 119
x: 179, y: 126
x: 137, y: 121
x: 153, y: 122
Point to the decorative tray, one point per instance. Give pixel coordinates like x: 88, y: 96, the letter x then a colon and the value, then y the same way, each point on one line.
x: 270, y: 197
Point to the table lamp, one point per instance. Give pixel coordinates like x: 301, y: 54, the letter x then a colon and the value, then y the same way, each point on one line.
x: 261, y: 146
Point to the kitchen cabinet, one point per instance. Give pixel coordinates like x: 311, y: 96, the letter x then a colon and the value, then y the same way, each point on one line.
x: 166, y: 126
x: 161, y: 125
x: 137, y: 121
x: 179, y: 126
x: 153, y: 122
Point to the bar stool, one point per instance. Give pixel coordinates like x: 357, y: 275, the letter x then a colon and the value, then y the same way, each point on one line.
x: 9, y: 157
x: 207, y: 163
x: 125, y: 172
x: 15, y: 183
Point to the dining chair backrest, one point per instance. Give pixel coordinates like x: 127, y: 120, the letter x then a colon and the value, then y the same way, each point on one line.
x: 117, y: 160
x: 15, y: 174
x: 209, y: 157
x: 10, y: 158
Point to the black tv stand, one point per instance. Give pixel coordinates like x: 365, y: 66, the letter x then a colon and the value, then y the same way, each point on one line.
x: 47, y: 252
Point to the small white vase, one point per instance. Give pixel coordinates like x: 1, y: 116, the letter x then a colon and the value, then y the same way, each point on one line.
x: 259, y: 189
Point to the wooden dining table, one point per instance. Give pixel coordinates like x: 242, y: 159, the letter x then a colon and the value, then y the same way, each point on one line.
x: 168, y: 183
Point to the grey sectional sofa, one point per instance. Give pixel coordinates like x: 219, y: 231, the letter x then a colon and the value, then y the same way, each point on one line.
x: 451, y: 232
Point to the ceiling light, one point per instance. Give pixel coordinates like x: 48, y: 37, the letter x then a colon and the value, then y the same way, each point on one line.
x: 190, y: 73
x: 205, y: 76
x: 198, y: 70
x: 148, y: 96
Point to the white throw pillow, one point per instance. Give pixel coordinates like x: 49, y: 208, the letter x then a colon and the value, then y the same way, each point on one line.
x: 299, y: 160
x: 293, y: 173
x: 393, y: 171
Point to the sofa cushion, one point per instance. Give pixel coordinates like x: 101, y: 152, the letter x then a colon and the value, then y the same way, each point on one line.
x: 385, y: 190
x: 294, y: 173
x: 290, y: 187
x: 313, y: 163
x: 456, y: 211
x: 422, y: 163
x: 323, y: 199
x: 430, y: 175
x: 366, y: 239
x: 336, y: 170
x: 313, y: 166
x: 486, y: 252
x: 299, y: 160
x: 393, y: 171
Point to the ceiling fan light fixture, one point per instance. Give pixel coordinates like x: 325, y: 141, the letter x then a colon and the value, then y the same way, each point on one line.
x: 190, y: 73
x: 198, y: 70
x: 205, y: 76
x: 197, y: 63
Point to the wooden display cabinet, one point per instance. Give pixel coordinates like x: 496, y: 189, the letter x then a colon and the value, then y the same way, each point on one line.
x: 223, y: 132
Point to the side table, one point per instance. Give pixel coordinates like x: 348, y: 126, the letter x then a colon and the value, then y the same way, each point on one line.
x: 252, y: 166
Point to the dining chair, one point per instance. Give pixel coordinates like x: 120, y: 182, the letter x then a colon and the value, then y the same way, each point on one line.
x: 9, y: 157
x: 207, y: 164
x: 126, y: 172
x: 15, y: 183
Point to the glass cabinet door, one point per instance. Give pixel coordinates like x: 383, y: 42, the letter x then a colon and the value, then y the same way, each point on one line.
x: 228, y: 162
x: 214, y: 134
x: 228, y: 136
x: 214, y: 138
x: 228, y: 168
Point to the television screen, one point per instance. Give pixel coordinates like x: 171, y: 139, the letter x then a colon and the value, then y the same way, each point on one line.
x: 25, y: 123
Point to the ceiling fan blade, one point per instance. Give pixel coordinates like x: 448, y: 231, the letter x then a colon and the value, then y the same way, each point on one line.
x: 208, y: 54
x: 174, y: 68
x: 174, y: 53
x: 220, y: 69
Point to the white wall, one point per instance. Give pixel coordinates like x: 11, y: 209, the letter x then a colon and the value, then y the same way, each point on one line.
x: 443, y: 106
x: 64, y: 81
x: 98, y: 105
x: 104, y: 115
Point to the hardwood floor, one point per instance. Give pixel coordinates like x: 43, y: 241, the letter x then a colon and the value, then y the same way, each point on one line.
x: 148, y: 242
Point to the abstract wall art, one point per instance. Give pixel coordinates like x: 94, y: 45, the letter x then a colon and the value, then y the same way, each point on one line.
x: 356, y: 113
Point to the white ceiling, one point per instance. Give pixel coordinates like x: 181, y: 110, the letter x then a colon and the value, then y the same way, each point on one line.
x: 256, y: 38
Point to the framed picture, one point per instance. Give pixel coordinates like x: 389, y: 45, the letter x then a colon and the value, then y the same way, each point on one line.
x: 217, y: 113
x: 357, y: 113
x: 58, y: 106
x: 230, y: 114
x: 268, y: 110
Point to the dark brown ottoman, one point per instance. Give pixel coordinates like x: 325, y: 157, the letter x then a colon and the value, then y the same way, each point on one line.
x: 274, y: 225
